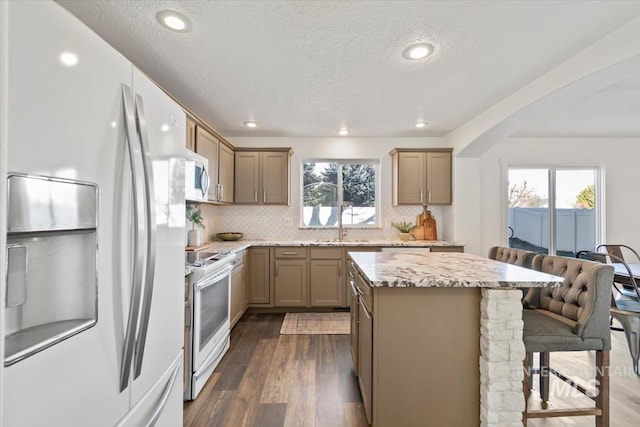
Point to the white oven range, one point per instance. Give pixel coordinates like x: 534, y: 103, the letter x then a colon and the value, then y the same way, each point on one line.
x: 208, y: 338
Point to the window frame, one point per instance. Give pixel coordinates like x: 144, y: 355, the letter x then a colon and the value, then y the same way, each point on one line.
x: 551, y: 170
x: 378, y: 194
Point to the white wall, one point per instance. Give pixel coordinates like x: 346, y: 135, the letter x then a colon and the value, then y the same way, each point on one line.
x: 283, y: 221
x: 481, y: 222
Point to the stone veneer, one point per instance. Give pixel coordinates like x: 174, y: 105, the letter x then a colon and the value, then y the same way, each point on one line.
x: 501, y: 356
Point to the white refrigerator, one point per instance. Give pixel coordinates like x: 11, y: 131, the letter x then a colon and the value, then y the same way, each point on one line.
x: 80, y: 115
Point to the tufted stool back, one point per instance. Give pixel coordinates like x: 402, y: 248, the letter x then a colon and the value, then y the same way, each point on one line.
x: 584, y: 297
x: 513, y: 256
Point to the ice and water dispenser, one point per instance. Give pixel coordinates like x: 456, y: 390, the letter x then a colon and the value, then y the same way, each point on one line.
x: 51, y: 283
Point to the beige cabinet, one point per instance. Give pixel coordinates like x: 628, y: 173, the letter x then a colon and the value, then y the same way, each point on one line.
x: 326, y: 277
x: 226, y: 168
x: 290, y: 277
x: 238, y: 291
x: 258, y: 276
x: 262, y: 177
x: 221, y: 165
x: 365, y: 359
x: 421, y: 177
x: 208, y: 146
x: 396, y: 360
x: 191, y: 134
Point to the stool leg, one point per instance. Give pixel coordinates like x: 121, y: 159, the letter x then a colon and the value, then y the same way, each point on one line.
x: 631, y: 326
x: 529, y: 359
x: 602, y: 381
x: 544, y: 379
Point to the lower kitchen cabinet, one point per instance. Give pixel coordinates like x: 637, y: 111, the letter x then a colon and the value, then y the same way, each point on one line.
x: 404, y: 357
x: 238, y: 291
x: 326, y: 283
x: 290, y: 282
x: 258, y: 276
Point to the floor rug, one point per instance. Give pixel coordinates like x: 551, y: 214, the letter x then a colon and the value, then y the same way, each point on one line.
x: 316, y: 323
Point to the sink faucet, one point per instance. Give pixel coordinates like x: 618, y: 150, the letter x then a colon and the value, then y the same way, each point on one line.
x: 342, y: 233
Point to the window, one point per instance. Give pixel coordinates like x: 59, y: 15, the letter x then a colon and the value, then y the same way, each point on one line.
x: 553, y: 210
x: 330, y: 187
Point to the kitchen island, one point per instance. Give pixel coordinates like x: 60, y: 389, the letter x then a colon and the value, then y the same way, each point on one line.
x: 438, y: 338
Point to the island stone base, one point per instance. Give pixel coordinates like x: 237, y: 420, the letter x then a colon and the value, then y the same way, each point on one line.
x: 501, y: 355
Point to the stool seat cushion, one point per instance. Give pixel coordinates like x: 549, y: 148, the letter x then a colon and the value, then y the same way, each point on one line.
x: 546, y: 332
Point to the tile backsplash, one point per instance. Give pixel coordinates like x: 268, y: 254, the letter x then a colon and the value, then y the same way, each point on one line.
x: 282, y: 222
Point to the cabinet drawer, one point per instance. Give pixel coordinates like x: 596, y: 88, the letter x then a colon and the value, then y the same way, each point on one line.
x: 290, y: 252
x: 325, y: 253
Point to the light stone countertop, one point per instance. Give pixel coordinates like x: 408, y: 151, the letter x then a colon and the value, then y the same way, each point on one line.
x: 239, y: 245
x: 389, y: 269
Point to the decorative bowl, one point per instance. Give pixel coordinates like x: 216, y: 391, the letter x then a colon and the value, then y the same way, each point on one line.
x: 228, y: 236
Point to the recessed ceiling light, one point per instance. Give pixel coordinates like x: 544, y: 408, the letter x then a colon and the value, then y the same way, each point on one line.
x: 174, y: 20
x: 418, y: 51
x: 69, y: 59
x: 344, y: 131
x: 250, y: 124
x: 165, y: 128
x: 421, y: 124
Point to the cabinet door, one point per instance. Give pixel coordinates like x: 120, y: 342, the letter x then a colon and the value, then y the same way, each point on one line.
x: 365, y: 358
x: 353, y: 296
x: 225, y: 174
x: 247, y: 177
x: 290, y: 282
x: 191, y: 134
x: 411, y: 178
x: 258, y: 278
x: 275, y: 177
x: 438, y: 178
x: 326, y: 283
x: 237, y: 294
x: 207, y: 146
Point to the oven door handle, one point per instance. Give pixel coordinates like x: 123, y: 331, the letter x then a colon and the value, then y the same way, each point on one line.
x: 212, y: 280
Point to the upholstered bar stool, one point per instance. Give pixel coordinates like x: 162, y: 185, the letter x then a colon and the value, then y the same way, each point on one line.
x: 513, y: 256
x: 573, y: 317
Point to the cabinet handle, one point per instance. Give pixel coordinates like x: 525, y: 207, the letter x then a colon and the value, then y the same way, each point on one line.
x: 221, y: 192
x: 429, y: 196
x: 277, y: 264
x: 339, y: 268
x: 421, y: 196
x: 255, y: 196
x: 264, y: 196
x: 289, y: 253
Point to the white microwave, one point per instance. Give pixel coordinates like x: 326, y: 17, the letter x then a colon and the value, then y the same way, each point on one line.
x: 196, y: 177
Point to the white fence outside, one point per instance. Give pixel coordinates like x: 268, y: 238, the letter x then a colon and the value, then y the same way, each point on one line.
x: 575, y: 228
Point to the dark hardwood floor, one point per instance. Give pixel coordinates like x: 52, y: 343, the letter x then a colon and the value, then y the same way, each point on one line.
x: 267, y: 379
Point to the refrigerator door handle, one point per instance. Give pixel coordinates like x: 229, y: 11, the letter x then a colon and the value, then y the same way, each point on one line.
x: 138, y: 229
x: 164, y: 398
x: 150, y: 267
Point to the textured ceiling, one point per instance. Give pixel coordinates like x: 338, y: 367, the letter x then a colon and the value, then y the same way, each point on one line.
x: 304, y: 68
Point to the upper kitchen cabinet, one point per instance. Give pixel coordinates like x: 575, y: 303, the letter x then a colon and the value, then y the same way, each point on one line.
x: 421, y: 177
x: 191, y: 134
x: 262, y: 176
x: 221, y: 165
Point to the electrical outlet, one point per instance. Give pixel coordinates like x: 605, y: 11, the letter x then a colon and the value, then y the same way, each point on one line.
x: 287, y: 222
x: 261, y: 222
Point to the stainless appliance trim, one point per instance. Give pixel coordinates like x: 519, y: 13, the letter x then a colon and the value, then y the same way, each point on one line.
x: 150, y: 220
x: 204, y: 182
x: 51, y: 216
x: 163, y: 398
x: 138, y: 230
x: 11, y: 286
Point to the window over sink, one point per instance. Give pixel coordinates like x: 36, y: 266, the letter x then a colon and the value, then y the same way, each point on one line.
x: 331, y: 188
